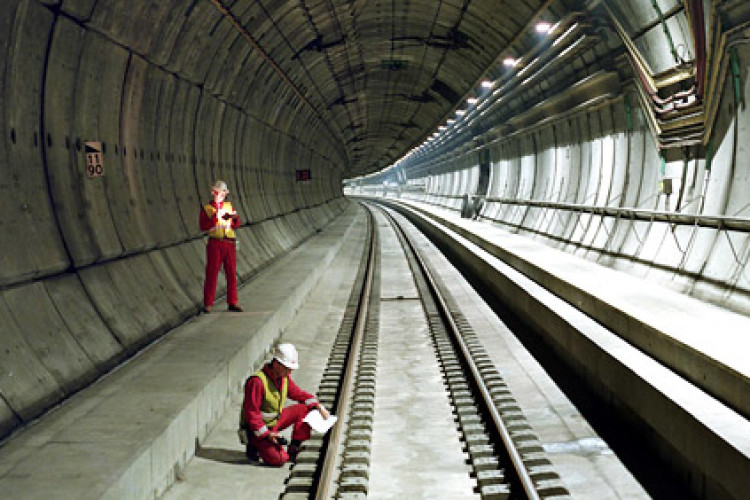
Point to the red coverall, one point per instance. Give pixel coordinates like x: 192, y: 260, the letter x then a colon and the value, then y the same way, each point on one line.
x: 274, y: 454
x: 218, y: 252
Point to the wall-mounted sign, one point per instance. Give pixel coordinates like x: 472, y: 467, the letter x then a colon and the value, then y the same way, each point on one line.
x: 665, y: 186
x: 94, y: 160
x: 303, y: 175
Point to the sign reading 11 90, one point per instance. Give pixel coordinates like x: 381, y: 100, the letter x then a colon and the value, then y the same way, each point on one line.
x: 94, y: 161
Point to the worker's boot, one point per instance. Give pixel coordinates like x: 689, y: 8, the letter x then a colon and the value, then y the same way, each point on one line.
x: 293, y: 450
x: 252, y: 453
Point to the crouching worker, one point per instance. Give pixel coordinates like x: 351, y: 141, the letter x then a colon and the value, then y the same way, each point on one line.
x: 263, y: 414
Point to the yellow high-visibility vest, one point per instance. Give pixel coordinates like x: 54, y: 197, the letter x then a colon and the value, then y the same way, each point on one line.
x: 273, y: 400
x: 223, y: 228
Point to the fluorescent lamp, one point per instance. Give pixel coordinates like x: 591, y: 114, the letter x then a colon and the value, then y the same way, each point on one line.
x: 543, y: 27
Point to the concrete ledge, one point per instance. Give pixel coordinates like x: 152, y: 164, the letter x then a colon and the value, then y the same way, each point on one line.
x: 129, y: 434
x: 64, y: 331
x: 705, y: 441
x: 702, y: 342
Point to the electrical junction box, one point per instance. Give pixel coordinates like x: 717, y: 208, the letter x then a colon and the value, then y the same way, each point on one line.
x: 665, y: 186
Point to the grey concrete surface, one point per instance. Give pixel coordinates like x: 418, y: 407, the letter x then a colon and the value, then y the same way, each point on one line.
x: 178, y: 97
x: 219, y: 469
x: 586, y: 465
x: 668, y: 325
x: 416, y: 451
x: 110, y: 263
x: 131, y: 433
x: 71, y: 328
x: 693, y: 430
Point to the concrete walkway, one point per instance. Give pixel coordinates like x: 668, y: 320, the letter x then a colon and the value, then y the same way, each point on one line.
x: 220, y: 470
x: 131, y: 433
x: 676, y: 362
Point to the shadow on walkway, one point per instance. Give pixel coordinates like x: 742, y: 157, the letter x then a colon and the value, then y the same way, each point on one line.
x: 223, y: 455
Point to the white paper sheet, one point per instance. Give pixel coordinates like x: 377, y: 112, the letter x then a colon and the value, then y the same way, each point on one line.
x: 318, y: 423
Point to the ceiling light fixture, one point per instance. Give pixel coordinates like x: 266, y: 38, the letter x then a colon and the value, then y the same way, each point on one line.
x: 543, y: 27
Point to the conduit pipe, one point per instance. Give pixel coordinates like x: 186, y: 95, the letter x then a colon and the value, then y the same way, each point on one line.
x: 243, y: 32
x: 698, y: 24
x: 544, y: 58
x: 679, y: 100
x: 720, y: 222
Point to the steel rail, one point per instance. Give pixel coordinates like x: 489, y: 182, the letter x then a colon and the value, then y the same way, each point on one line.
x: 523, y: 475
x: 327, y: 469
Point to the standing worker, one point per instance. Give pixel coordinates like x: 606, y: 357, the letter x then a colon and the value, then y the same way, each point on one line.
x: 220, y: 220
x: 263, y: 414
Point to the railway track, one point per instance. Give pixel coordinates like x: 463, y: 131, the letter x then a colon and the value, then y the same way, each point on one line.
x: 503, y: 457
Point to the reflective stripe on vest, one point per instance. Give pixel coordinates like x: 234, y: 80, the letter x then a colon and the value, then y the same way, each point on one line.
x: 223, y: 228
x: 273, y: 400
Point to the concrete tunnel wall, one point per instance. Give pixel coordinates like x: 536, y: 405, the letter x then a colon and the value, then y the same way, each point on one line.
x: 592, y: 157
x: 94, y: 268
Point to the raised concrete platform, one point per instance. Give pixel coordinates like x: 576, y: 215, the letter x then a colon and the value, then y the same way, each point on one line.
x: 132, y: 432
x: 63, y: 330
x: 220, y: 469
x: 586, y: 465
x: 627, y: 337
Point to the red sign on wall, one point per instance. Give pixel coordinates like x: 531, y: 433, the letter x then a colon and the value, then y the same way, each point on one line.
x: 303, y: 175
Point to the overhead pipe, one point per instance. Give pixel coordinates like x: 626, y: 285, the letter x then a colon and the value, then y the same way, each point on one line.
x: 697, y: 20
x: 667, y: 34
x: 571, y: 25
x: 677, y: 101
x: 720, y: 67
x: 719, y: 222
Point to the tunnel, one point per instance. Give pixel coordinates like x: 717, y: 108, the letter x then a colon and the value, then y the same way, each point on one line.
x: 610, y: 130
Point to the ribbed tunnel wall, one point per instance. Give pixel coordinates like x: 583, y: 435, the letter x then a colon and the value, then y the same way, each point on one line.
x: 93, y: 268
x: 607, y: 157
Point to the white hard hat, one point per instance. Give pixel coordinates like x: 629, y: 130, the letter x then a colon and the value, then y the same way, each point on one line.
x: 220, y: 186
x: 286, y: 354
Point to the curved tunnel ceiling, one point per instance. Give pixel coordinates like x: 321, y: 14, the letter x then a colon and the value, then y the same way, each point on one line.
x: 369, y: 78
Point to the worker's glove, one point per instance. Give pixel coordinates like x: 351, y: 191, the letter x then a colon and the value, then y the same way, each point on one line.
x: 227, y: 216
x: 276, y: 438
